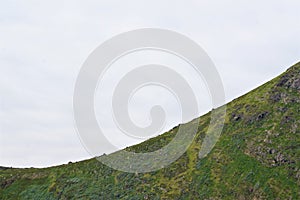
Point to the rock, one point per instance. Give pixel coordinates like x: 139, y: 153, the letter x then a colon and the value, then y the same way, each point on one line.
x: 282, y: 109
x: 283, y: 81
x: 7, y: 183
x: 236, y: 117
x: 262, y: 115
x: 290, y: 80
x: 280, y: 159
x: 276, y: 97
x: 286, y: 119
x: 296, y: 84
x: 272, y: 151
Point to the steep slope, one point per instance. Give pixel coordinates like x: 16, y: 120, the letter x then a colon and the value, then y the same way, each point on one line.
x: 256, y: 157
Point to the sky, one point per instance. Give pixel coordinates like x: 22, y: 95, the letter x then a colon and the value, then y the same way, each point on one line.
x: 43, y: 45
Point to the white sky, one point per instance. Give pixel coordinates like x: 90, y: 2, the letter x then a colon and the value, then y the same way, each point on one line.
x: 44, y: 43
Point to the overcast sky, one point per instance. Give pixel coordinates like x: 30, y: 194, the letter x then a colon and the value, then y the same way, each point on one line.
x: 44, y: 43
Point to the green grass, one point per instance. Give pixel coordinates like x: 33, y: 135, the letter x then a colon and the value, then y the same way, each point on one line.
x: 256, y: 157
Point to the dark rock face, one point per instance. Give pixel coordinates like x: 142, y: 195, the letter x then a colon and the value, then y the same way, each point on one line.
x: 283, y: 81
x: 296, y: 84
x: 291, y: 79
x: 275, y: 97
x: 293, y: 84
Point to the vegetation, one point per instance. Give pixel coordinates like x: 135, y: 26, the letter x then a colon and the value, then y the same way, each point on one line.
x: 256, y: 157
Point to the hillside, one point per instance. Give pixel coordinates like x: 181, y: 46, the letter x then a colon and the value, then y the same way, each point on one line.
x: 256, y: 157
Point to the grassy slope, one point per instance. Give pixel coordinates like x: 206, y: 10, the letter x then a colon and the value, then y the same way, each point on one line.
x: 257, y: 157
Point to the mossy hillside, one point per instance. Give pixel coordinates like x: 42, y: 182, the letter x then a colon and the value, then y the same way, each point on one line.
x: 256, y: 157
